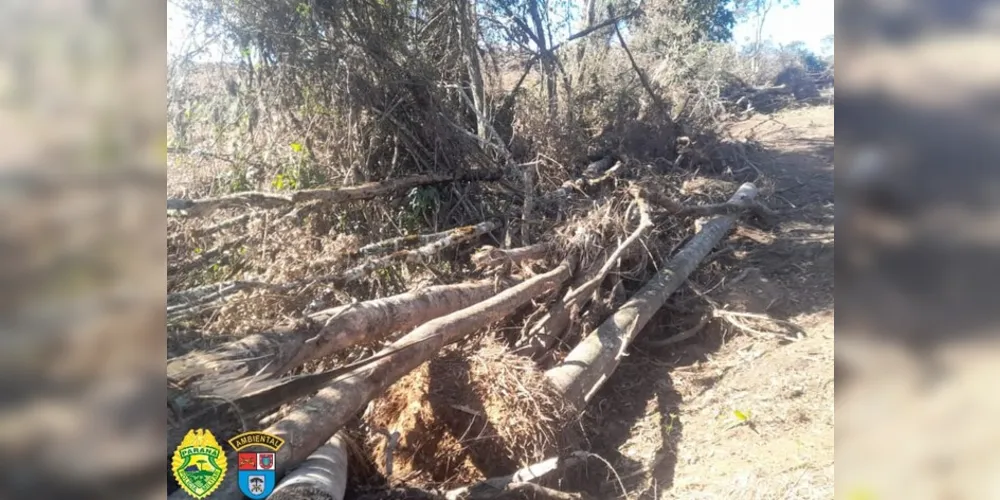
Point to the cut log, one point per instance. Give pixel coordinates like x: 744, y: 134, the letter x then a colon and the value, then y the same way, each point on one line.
x: 373, y: 320
x: 323, y: 476
x: 592, y: 361
x: 217, y: 376
x: 306, y: 428
x: 369, y: 191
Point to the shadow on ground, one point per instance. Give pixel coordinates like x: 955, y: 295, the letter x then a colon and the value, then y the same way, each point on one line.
x: 783, y: 269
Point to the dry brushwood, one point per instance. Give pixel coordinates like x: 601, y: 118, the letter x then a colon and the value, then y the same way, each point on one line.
x: 453, y: 237
x: 592, y: 361
x: 310, y: 425
x: 194, y: 301
x: 372, y: 190
x: 551, y: 327
x: 396, y: 244
x: 489, y: 257
x: 582, y: 182
x: 208, y: 256
x: 199, y: 232
x: 323, y: 476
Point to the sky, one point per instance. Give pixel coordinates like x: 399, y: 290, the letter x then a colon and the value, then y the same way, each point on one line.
x: 809, y: 21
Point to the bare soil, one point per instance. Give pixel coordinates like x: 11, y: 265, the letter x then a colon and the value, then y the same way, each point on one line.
x: 740, y: 411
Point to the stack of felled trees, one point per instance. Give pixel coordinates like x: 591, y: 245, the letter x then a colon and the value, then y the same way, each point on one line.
x: 232, y: 387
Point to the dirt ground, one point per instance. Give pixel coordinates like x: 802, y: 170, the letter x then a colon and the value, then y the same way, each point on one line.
x: 742, y: 412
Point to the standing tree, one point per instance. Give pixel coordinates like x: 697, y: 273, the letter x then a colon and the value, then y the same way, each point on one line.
x: 756, y: 11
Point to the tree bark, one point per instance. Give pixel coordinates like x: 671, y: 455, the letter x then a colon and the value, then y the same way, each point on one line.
x: 581, y: 51
x: 208, y: 384
x: 591, y: 363
x: 470, y: 53
x: 309, y: 426
x: 323, y: 476
x: 274, y: 353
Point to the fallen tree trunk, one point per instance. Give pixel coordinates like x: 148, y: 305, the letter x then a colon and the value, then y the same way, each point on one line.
x: 306, y: 428
x: 592, y: 361
x: 323, y: 476
x: 370, y: 321
x: 369, y: 191
x: 214, y: 377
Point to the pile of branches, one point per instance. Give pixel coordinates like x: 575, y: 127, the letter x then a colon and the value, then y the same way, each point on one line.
x: 793, y: 85
x: 445, y: 296
x: 557, y: 311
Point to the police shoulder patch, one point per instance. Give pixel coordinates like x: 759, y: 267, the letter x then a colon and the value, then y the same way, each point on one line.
x: 257, y: 468
x: 199, y: 464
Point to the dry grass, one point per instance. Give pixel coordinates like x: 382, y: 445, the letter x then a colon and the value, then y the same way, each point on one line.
x: 474, y: 411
